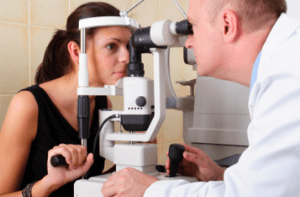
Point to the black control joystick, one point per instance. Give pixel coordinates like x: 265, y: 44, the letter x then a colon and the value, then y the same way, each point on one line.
x: 175, y: 155
x: 58, y: 160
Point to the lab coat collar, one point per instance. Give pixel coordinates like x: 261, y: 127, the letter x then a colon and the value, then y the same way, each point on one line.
x: 254, y: 71
x: 281, y: 31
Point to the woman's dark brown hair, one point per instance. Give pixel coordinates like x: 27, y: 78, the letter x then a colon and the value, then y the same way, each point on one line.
x: 56, y: 62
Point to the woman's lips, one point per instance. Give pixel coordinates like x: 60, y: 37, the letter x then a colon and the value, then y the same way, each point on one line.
x: 121, y: 74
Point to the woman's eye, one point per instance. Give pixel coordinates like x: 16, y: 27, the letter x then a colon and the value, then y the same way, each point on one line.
x: 111, y: 46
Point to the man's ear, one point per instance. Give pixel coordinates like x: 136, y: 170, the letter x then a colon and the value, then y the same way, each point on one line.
x: 74, y: 51
x: 230, y: 26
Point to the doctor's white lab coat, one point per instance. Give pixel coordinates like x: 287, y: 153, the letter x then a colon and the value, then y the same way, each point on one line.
x: 270, y: 166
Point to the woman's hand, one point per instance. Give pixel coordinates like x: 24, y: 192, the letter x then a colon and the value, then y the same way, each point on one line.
x: 78, y: 164
x: 197, y: 164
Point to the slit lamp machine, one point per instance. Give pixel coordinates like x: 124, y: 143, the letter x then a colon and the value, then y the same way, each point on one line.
x: 144, y: 99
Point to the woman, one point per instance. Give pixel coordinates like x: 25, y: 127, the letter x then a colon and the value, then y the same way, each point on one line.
x: 42, y: 120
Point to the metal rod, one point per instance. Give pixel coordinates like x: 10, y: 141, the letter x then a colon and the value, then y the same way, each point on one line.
x: 183, y: 13
x: 82, y: 50
x: 120, y: 131
x: 82, y: 40
x: 84, y: 142
x: 134, y: 6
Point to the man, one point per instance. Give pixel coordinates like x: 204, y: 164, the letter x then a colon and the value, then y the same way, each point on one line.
x: 253, y: 43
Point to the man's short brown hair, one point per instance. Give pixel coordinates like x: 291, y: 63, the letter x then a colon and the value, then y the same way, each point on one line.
x: 253, y: 14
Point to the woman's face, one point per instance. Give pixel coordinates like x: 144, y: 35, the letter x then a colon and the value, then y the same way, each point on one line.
x: 108, y: 55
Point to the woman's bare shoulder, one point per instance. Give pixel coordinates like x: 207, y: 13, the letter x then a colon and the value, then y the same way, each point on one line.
x: 22, y: 114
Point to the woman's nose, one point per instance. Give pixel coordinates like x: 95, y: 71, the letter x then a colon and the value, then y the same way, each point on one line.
x: 124, y: 57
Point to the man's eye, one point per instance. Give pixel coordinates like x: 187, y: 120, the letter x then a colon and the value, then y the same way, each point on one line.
x: 111, y: 46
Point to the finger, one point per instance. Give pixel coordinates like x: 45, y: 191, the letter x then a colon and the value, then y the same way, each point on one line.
x: 68, y: 152
x: 114, y: 174
x: 80, y: 170
x: 74, y: 153
x: 108, y: 189
x: 89, y: 162
x: 167, y: 166
x: 192, y: 149
x: 81, y: 154
x: 109, y: 183
x: 194, y: 158
x: 61, y: 145
x: 60, y: 151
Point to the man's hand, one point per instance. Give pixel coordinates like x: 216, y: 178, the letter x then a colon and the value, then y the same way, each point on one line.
x: 127, y: 183
x: 197, y: 164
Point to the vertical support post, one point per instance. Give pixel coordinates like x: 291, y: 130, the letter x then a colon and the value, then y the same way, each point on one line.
x: 82, y: 40
x: 83, y: 102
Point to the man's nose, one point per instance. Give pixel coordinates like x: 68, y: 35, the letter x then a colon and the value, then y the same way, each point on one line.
x: 188, y: 42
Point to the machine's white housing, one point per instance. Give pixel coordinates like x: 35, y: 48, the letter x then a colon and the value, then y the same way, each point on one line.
x: 142, y: 157
x: 220, y: 118
x: 108, y: 21
x: 135, y: 87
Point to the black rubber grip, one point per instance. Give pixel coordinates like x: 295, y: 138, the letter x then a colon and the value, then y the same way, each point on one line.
x: 175, y: 155
x: 83, y: 116
x: 58, y: 160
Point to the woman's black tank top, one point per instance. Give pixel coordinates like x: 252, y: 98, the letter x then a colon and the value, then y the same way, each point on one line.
x: 53, y: 129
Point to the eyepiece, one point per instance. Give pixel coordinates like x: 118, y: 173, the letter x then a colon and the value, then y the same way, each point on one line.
x: 184, y: 27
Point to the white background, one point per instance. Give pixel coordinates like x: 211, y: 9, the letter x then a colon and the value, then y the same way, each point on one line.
x: 293, y: 8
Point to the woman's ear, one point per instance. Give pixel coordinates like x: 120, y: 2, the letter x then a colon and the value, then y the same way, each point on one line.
x: 230, y: 26
x: 74, y: 51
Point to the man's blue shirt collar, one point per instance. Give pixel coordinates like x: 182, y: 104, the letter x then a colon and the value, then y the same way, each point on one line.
x: 254, y: 71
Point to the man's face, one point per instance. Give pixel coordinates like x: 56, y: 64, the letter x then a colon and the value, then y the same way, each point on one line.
x: 206, y: 40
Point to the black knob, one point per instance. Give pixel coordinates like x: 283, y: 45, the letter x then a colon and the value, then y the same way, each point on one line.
x: 58, y: 160
x: 175, y: 155
x: 141, y: 101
